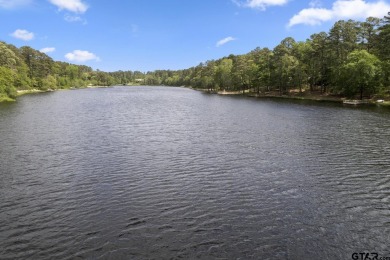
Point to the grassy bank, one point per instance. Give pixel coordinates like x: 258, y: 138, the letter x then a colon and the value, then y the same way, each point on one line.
x: 296, y: 95
x: 6, y: 99
x: 22, y: 92
x: 28, y: 91
x: 302, y: 96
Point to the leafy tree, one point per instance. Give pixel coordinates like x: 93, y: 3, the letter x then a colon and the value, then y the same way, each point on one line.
x: 343, y: 37
x: 208, y: 75
x: 10, y: 59
x: 367, y: 33
x: 244, y: 72
x: 262, y: 77
x: 384, y: 39
x: 6, y: 82
x: 7, y: 57
x: 318, y: 71
x: 302, y: 51
x: 383, y: 49
x: 360, y: 74
x: 223, y: 77
x: 38, y: 63
x: 284, y: 63
x: 50, y: 82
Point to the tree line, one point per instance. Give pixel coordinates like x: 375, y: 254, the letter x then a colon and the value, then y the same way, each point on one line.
x: 26, y: 68
x: 351, y: 60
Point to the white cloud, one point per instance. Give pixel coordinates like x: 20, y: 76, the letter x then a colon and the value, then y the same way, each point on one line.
x: 73, y: 19
x: 76, y: 6
x: 224, y: 41
x: 341, y: 9
x: 311, y: 16
x: 47, y: 49
x: 81, y: 56
x: 315, y: 3
x: 11, y: 4
x: 259, y: 4
x: 23, y: 35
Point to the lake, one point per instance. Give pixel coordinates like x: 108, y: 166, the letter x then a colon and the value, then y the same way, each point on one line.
x: 161, y: 173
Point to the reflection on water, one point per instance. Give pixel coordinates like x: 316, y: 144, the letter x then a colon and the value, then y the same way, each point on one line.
x: 151, y: 173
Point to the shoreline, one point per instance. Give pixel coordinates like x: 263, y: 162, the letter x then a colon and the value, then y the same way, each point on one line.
x: 23, y: 92
x: 315, y: 97
x: 29, y: 91
x: 304, y: 97
x: 6, y: 99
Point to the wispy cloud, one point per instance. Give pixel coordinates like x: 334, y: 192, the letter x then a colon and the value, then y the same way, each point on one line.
x: 75, y: 6
x: 315, y: 3
x: 23, y: 35
x: 11, y: 4
x: 224, y: 41
x: 81, y: 56
x: 74, y: 18
x: 341, y: 9
x: 259, y: 4
x: 47, y: 49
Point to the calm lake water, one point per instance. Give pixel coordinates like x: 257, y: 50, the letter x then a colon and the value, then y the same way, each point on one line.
x: 160, y: 173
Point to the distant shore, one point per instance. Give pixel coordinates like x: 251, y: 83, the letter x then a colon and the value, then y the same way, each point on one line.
x: 293, y: 95
x: 296, y: 95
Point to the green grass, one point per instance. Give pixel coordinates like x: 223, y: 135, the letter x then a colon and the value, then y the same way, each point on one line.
x: 28, y: 91
x: 6, y: 99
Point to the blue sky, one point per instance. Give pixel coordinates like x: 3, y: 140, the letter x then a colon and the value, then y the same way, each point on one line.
x: 167, y: 34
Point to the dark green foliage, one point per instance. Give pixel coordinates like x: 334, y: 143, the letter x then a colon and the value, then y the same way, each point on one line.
x: 360, y: 74
x: 26, y: 68
x: 6, y: 83
x: 383, y: 39
x: 352, y: 59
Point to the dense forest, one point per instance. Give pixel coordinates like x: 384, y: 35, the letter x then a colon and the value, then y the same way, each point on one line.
x: 351, y: 60
x: 26, y: 69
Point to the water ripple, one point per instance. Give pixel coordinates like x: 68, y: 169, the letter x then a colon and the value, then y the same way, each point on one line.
x: 162, y: 173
